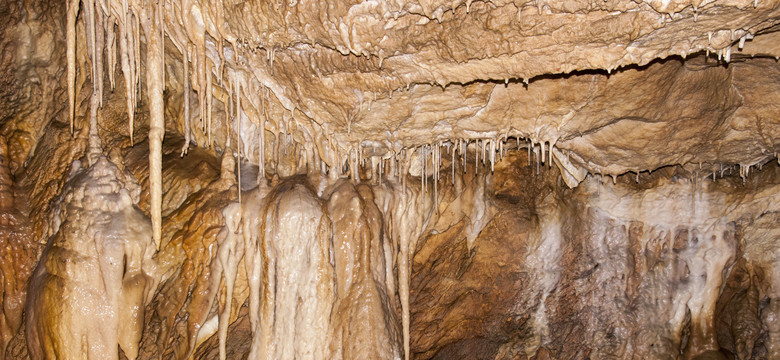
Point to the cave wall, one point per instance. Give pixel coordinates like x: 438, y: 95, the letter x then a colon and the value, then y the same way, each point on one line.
x: 645, y: 267
x: 323, y: 196
x: 656, y: 266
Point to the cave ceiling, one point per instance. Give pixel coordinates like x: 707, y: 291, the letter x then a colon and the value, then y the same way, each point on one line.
x: 607, y: 87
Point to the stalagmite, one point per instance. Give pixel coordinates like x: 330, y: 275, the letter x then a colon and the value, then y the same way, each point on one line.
x: 362, y: 272
x: 89, y: 292
x: 404, y: 272
x: 231, y: 250
x: 294, y: 223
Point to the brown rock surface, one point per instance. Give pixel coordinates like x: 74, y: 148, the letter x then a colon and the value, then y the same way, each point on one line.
x: 374, y: 179
x: 555, y: 266
x: 18, y: 252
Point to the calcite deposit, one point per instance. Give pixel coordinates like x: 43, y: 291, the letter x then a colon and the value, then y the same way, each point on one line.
x: 390, y: 179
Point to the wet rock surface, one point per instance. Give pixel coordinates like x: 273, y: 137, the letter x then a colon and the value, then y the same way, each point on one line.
x: 632, y: 283
x: 191, y: 179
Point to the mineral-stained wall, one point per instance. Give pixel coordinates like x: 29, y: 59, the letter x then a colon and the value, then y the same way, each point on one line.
x: 389, y: 179
x: 653, y: 269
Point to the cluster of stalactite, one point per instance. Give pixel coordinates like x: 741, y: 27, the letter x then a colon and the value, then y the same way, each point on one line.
x: 423, y: 218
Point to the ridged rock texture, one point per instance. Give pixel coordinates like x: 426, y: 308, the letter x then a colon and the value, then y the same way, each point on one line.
x: 408, y: 179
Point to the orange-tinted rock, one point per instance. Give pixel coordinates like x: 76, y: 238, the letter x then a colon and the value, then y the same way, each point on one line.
x: 18, y: 254
x: 637, y: 275
x: 508, y: 263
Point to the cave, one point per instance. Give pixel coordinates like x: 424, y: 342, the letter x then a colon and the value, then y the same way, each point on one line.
x: 303, y: 179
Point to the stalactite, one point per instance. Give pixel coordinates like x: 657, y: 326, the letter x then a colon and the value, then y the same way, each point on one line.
x: 238, y: 136
x: 209, y: 106
x: 124, y: 58
x: 261, y: 149
x: 238, y: 173
x: 436, y: 163
x: 484, y: 157
x: 476, y: 156
x: 73, y: 8
x: 359, y: 152
x: 89, y: 27
x: 492, y: 155
x: 220, y: 66
x: 155, y: 83
x: 228, y: 103
x: 285, y: 143
x: 537, y: 156
x: 200, y: 65
x: 94, y: 150
x: 108, y: 30
x: 99, y: 45
x: 136, y: 55
x: 464, y: 152
x: 452, y: 165
x: 550, y: 154
x: 187, y: 130
x: 424, y: 173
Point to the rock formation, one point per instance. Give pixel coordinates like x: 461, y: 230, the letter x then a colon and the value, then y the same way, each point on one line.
x: 390, y: 180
